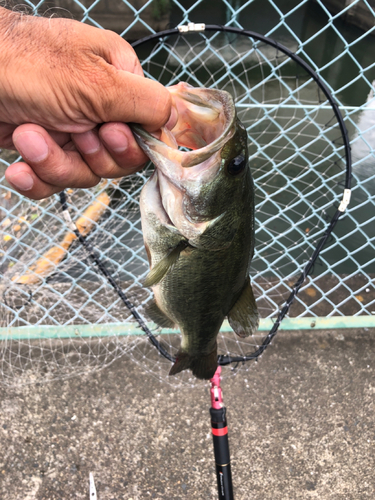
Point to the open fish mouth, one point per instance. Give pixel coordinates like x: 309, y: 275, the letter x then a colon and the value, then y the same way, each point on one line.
x: 206, y: 120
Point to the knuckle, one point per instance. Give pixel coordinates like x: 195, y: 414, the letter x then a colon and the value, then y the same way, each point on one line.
x: 108, y: 169
x: 71, y: 171
x: 96, y: 89
x: 58, y: 174
x: 160, y: 112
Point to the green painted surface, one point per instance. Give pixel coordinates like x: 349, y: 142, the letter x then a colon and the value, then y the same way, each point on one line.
x: 129, y: 329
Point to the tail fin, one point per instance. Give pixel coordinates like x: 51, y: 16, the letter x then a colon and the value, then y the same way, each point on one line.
x: 203, y: 367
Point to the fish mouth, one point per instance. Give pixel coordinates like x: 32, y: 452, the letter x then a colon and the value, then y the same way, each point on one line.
x: 206, y: 121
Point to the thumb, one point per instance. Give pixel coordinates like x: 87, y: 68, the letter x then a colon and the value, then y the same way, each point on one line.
x: 135, y: 99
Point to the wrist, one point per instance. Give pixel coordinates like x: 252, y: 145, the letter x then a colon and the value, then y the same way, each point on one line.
x: 15, y: 40
x: 9, y: 23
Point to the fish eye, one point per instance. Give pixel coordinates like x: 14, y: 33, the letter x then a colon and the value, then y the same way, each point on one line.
x: 237, y: 165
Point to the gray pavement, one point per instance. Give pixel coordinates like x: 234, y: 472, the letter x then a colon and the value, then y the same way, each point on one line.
x: 301, y: 426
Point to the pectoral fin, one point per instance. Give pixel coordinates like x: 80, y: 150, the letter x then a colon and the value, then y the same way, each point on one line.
x: 244, y: 317
x: 164, y: 265
x: 218, y: 234
x: 158, y: 316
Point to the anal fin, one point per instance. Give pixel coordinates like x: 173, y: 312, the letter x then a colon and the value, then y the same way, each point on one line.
x: 244, y: 316
x: 158, y: 271
x: 158, y: 316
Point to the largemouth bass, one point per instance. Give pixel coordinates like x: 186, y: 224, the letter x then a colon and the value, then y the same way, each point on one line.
x: 197, y: 213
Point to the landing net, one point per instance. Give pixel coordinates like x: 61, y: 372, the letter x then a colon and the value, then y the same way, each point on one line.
x: 58, y: 311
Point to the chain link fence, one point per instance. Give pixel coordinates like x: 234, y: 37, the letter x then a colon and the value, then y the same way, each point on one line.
x: 46, y: 278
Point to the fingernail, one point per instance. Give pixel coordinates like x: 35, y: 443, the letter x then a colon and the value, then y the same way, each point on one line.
x: 87, y: 142
x: 22, y: 181
x: 32, y: 146
x: 115, y: 140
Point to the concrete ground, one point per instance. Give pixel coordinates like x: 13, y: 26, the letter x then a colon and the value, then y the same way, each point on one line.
x: 301, y: 426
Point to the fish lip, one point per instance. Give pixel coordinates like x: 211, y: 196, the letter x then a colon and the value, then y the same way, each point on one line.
x: 189, y: 158
x: 159, y: 209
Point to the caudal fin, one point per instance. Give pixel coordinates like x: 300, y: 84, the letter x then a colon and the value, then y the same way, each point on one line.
x: 203, y: 367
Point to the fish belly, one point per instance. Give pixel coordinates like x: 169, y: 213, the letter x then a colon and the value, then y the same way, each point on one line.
x: 200, y: 288
x: 196, y: 295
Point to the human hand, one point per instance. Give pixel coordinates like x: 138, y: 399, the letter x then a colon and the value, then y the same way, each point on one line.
x: 60, y: 81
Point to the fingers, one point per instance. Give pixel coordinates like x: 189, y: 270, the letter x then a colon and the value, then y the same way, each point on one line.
x: 47, y: 168
x: 137, y: 99
x: 6, y: 131
x: 6, y: 136
x: 22, y: 177
x: 53, y: 163
x: 173, y: 118
x: 112, y: 152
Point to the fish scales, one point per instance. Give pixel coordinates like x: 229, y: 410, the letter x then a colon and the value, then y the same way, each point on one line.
x: 198, y: 224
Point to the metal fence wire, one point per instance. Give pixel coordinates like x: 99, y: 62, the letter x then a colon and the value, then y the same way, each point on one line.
x: 47, y: 280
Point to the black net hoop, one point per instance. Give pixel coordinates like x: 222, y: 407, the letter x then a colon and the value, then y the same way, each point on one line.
x: 326, y: 99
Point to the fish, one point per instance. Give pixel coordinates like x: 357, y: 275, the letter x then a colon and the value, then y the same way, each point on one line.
x: 197, y: 215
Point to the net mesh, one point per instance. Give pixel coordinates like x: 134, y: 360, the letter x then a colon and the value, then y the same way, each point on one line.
x: 55, y: 307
